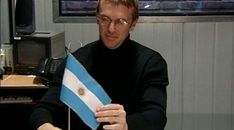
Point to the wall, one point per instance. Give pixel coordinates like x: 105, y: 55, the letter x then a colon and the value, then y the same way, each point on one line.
x: 200, y: 57
x: 200, y: 62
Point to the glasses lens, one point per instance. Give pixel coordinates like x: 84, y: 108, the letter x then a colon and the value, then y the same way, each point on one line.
x: 106, y: 21
x: 121, y: 22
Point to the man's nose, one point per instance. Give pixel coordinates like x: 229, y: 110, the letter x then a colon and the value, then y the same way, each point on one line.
x: 111, y: 27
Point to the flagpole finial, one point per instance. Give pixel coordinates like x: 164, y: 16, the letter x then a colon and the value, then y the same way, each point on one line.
x: 69, y: 45
x: 81, y: 44
x: 68, y: 48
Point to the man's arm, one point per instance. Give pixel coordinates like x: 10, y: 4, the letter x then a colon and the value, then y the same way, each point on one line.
x: 151, y: 112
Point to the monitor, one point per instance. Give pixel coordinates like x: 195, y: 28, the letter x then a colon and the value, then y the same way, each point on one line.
x: 83, y: 11
x: 29, y: 50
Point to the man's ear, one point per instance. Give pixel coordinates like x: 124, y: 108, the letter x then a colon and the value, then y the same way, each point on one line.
x: 133, y: 24
x: 96, y: 19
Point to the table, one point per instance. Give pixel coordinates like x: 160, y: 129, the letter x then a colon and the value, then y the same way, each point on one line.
x: 18, y: 96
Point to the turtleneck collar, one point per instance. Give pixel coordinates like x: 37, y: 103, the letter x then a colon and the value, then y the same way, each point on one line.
x: 124, y: 47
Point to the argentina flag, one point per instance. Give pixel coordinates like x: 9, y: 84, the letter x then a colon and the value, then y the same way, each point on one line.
x: 81, y: 92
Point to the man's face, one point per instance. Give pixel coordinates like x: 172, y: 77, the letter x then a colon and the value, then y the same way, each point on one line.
x: 115, y: 23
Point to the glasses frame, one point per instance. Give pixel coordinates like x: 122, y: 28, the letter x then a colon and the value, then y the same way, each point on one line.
x: 106, y: 21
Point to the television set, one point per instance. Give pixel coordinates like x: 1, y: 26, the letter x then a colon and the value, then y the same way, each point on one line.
x: 29, y: 50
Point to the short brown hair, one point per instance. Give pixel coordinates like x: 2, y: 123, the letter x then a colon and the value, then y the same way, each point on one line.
x: 128, y: 3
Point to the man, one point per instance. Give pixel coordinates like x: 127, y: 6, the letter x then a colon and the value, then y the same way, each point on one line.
x: 135, y: 77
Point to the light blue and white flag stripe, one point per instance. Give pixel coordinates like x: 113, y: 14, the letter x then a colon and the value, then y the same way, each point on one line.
x: 76, y: 78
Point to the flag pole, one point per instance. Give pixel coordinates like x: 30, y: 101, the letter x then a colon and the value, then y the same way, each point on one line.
x: 69, y: 119
x: 69, y: 109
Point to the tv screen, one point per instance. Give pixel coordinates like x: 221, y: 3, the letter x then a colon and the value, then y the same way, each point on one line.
x: 84, y: 10
x: 30, y: 52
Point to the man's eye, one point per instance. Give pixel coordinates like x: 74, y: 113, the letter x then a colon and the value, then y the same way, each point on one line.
x: 105, y: 19
x: 121, y: 21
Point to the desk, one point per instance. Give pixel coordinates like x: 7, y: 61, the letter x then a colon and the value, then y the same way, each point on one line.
x: 21, y: 81
x: 18, y: 95
x: 20, y: 89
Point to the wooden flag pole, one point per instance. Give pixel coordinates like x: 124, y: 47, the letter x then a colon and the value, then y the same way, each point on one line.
x: 69, y: 119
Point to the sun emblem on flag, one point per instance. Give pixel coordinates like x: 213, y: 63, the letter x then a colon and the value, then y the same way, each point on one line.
x: 81, y: 91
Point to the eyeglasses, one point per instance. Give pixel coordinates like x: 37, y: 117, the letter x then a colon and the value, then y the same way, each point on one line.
x: 106, y: 21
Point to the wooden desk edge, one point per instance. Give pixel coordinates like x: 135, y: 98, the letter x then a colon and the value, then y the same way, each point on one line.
x: 21, y: 81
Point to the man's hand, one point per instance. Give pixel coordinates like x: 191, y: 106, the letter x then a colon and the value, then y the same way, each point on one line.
x: 114, y: 114
x: 48, y: 126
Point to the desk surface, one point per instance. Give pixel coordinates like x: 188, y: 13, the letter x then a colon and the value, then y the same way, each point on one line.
x: 21, y: 89
x: 21, y: 81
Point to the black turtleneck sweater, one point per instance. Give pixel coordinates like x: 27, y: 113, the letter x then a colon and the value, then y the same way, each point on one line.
x: 132, y: 75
